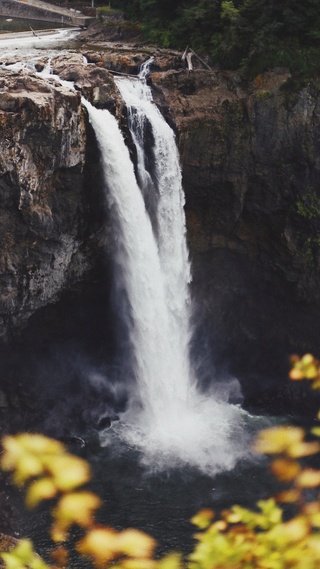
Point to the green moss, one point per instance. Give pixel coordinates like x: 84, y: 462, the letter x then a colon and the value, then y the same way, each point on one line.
x: 235, y: 112
x: 308, y: 206
x: 107, y: 11
x: 263, y: 95
x: 307, y: 212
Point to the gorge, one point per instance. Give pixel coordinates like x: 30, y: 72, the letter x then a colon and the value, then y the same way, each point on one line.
x: 168, y: 418
x: 249, y: 156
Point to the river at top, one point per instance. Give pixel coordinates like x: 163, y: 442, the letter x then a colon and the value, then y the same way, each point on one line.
x: 160, y: 503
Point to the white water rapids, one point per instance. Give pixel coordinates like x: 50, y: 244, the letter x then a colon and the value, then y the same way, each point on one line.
x: 170, y: 421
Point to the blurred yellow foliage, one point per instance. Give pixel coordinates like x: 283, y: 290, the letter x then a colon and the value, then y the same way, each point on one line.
x: 307, y: 367
x: 99, y: 543
x: 239, y: 538
x: 23, y: 556
x: 105, y: 544
x: 41, y: 489
x: 68, y: 472
x: 74, y: 508
x: 48, y: 457
x: 48, y: 471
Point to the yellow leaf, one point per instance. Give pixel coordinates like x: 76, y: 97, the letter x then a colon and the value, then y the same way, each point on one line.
x: 42, y: 489
x: 68, y: 471
x: 101, y: 544
x: 203, y: 518
x: 135, y: 543
x: 221, y: 525
x: 294, y: 530
x: 315, y: 520
x: 311, y: 371
x: 289, y: 496
x: 296, y: 374
x: 305, y: 368
x: 27, y: 467
x: 299, y: 450
x: 171, y: 561
x: 38, y: 563
x: 39, y: 444
x: 138, y: 564
x: 23, y: 556
x: 11, y: 562
x: 58, y: 532
x: 278, y: 439
x: 308, y: 478
x: 284, y: 469
x: 314, y: 545
x: 307, y: 359
x: 12, y: 453
x: 24, y: 550
x: 311, y: 508
x: 76, y: 508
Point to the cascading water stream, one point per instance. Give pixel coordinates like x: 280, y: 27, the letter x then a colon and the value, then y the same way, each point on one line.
x: 137, y: 256
x: 173, y: 423
x: 161, y: 185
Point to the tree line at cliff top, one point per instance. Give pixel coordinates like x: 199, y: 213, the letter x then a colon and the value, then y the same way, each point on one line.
x: 254, y: 35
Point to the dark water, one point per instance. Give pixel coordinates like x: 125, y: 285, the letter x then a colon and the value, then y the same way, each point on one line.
x: 160, y: 504
x: 163, y: 504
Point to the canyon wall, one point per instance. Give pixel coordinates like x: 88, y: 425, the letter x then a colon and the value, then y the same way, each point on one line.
x: 51, y: 211
x: 41, y: 162
x: 250, y: 160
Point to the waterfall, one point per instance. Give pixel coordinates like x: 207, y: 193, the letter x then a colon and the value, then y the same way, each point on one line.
x: 169, y: 421
x: 162, y: 191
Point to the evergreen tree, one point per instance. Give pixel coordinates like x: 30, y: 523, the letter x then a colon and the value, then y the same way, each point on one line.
x: 252, y: 34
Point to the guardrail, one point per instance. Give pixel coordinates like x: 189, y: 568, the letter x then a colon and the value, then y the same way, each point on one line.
x: 36, y: 10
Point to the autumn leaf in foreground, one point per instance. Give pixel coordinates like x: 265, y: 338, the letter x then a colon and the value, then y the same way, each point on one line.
x: 278, y: 439
x: 68, y: 472
x: 105, y: 544
x: 100, y: 544
x: 23, y: 556
x: 307, y: 367
x: 74, y: 508
x: 41, y: 489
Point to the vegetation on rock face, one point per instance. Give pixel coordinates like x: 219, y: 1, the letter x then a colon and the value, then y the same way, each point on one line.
x: 271, y: 536
x: 253, y: 34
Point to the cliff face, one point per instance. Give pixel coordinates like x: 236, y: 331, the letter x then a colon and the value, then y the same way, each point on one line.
x: 251, y: 168
x: 250, y: 161
x: 47, y: 197
x: 41, y: 163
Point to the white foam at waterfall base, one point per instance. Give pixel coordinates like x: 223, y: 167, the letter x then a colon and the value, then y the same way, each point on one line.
x: 204, y: 434
x: 168, y: 420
